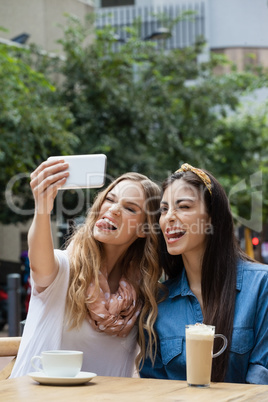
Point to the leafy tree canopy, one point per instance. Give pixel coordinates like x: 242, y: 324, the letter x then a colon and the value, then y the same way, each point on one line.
x: 33, y: 123
x: 146, y: 108
x: 150, y: 109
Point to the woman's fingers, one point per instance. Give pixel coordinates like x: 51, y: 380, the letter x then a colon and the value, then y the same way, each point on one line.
x: 45, y: 182
x: 49, y: 167
x: 49, y: 176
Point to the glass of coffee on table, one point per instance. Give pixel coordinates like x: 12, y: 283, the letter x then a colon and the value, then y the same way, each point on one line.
x: 199, y: 353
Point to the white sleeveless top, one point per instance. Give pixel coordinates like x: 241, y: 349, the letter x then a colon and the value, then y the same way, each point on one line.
x: 44, y: 330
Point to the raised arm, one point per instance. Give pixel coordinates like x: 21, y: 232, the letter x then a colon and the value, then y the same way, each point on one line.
x: 45, y: 182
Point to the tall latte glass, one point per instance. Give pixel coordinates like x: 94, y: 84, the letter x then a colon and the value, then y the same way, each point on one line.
x: 199, y: 353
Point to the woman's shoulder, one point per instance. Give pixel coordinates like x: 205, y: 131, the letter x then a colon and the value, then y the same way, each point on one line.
x: 62, y: 256
x: 251, y: 274
x: 252, y: 266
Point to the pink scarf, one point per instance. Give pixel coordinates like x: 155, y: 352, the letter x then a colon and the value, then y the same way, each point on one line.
x: 112, y: 313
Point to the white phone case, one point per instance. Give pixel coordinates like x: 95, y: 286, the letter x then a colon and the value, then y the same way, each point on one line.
x: 86, y: 171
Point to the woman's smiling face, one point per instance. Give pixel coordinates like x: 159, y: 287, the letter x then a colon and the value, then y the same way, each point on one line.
x: 184, y: 220
x: 121, y: 215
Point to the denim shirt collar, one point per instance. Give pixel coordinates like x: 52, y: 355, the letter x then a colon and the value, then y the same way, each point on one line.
x: 180, y: 286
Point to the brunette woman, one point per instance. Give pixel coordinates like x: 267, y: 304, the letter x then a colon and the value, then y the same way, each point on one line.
x: 211, y: 280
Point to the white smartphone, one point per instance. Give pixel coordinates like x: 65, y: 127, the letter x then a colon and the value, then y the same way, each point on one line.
x: 86, y: 171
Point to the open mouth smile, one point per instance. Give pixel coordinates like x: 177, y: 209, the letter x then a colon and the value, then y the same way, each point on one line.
x: 174, y: 234
x: 106, y: 224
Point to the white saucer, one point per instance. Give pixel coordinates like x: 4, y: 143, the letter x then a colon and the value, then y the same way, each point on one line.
x: 81, y: 378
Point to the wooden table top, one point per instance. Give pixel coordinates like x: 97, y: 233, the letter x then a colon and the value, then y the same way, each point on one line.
x: 128, y: 390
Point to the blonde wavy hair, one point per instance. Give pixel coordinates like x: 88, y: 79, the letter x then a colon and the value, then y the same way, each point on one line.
x: 86, y: 259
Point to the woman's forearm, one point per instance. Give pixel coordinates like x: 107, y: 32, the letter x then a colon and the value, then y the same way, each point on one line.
x: 45, y: 182
x: 43, y: 264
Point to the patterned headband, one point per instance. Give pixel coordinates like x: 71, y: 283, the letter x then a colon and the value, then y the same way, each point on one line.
x: 203, y: 176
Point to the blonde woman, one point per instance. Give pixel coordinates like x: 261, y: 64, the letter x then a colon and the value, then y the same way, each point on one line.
x: 99, y: 293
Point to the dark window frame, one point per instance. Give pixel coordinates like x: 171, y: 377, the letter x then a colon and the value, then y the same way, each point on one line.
x: 117, y: 3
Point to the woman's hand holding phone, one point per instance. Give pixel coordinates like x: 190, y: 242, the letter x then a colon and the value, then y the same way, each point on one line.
x: 45, y: 182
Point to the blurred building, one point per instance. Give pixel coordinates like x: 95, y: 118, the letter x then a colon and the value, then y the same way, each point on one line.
x: 39, y: 21
x: 237, y: 28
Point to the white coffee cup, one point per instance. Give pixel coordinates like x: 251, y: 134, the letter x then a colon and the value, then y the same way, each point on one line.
x: 59, y: 363
x: 199, y: 353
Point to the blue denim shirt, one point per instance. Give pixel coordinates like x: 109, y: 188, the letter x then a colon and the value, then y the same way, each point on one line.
x: 248, y: 359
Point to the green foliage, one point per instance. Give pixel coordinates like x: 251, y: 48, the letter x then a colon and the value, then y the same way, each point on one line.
x: 146, y: 108
x: 150, y: 109
x: 33, y: 125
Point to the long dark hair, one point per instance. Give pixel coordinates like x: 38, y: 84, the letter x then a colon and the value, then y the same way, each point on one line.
x: 218, y: 277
